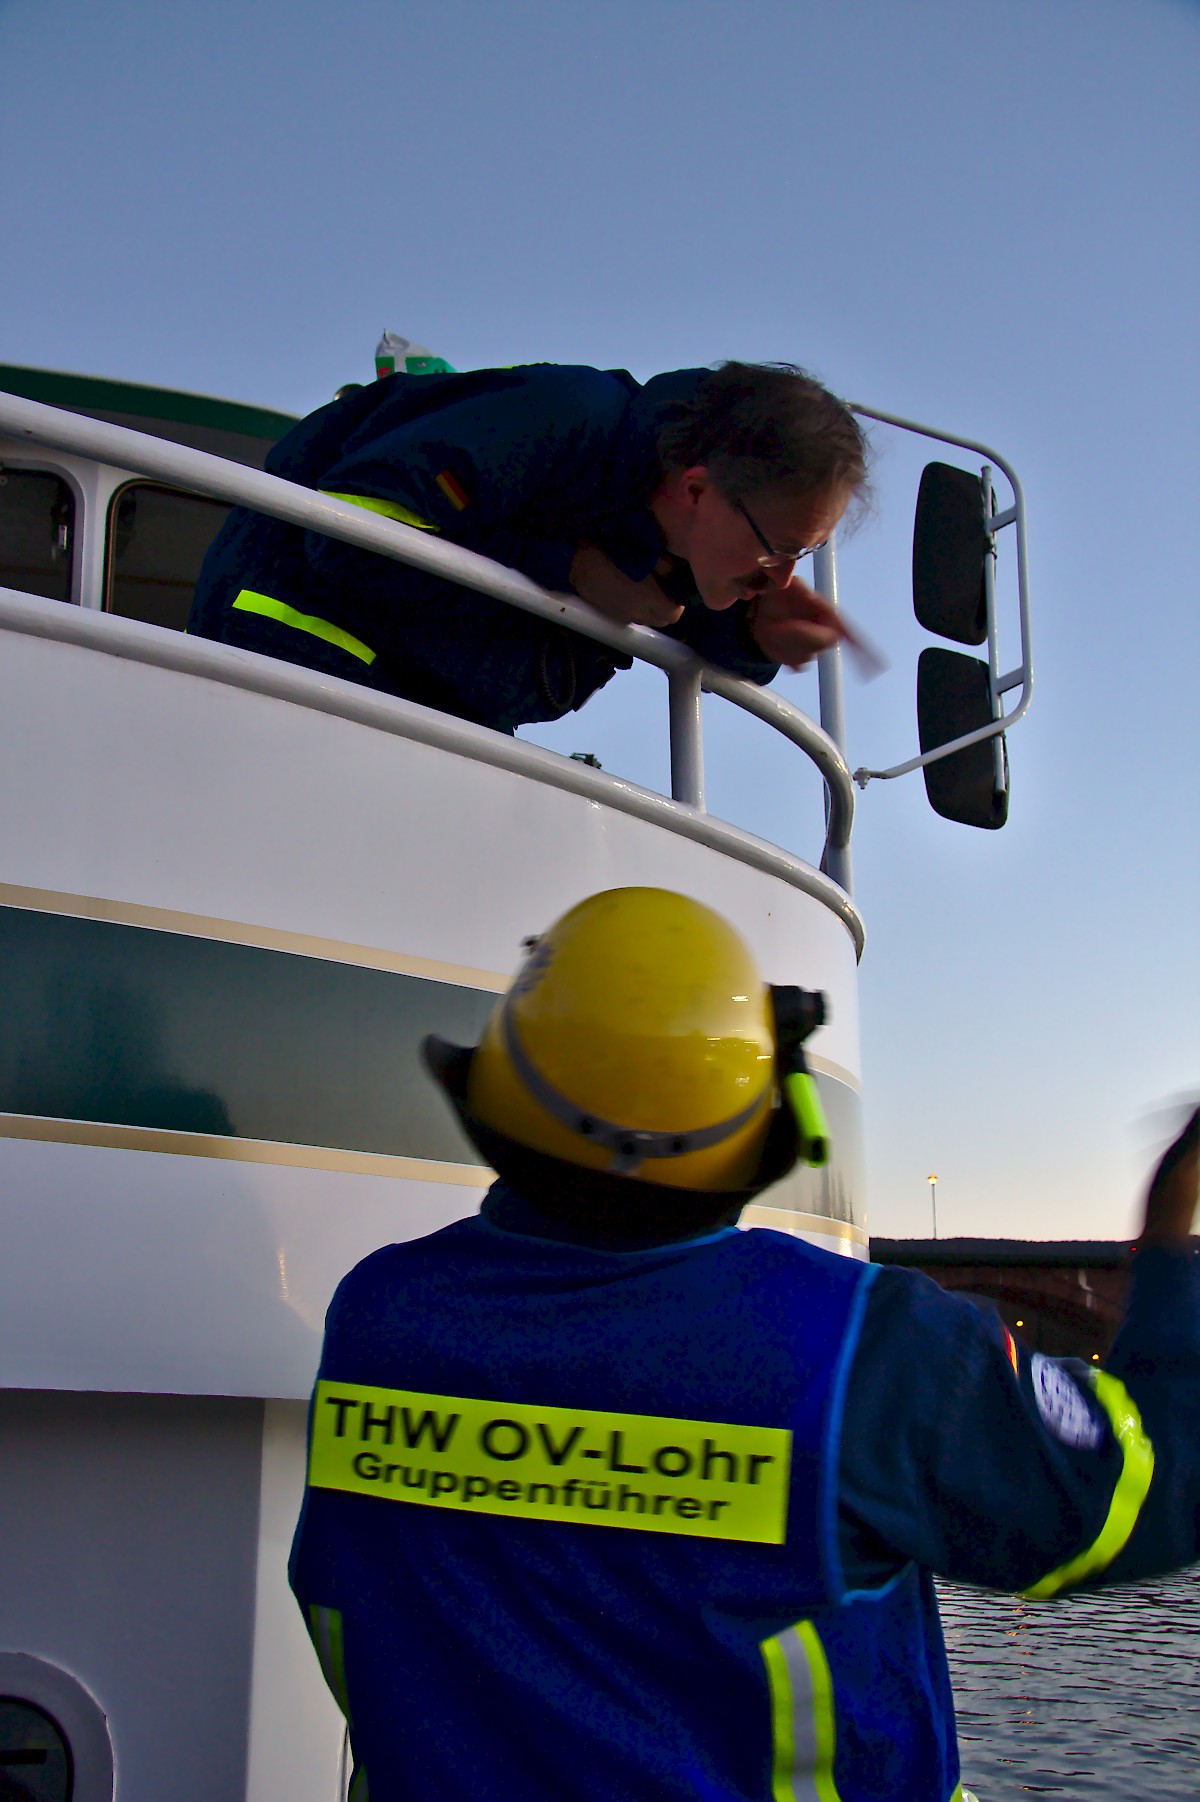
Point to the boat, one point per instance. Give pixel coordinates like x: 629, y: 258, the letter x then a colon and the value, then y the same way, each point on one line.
x: 234, y: 896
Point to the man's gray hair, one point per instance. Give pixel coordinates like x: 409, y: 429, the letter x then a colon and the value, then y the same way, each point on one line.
x: 763, y: 426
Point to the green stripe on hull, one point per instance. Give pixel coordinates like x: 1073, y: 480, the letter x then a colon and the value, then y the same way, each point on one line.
x: 130, y: 1026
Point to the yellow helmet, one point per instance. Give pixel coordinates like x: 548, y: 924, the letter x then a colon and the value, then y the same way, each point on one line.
x: 637, y: 1039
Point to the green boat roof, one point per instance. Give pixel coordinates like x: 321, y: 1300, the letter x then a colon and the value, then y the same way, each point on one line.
x: 59, y: 388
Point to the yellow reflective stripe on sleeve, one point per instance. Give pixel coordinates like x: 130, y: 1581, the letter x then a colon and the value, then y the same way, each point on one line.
x: 803, y: 1728
x: 1133, y: 1485
x: 389, y: 509
x: 249, y: 602
x: 652, y: 1474
x: 783, y: 1760
x: 325, y: 1627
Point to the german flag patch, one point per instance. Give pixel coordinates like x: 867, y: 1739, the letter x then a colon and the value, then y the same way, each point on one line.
x: 1010, y: 1346
x: 453, y: 490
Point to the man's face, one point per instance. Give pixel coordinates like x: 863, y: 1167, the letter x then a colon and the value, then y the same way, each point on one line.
x: 719, y: 542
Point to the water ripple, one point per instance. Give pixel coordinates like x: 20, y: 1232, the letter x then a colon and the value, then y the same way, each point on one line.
x: 1090, y: 1699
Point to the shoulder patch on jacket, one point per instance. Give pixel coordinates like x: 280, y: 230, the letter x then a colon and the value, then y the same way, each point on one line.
x: 1063, y: 1405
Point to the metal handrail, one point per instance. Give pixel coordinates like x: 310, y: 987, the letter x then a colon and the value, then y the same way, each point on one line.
x: 1020, y: 677
x: 687, y: 674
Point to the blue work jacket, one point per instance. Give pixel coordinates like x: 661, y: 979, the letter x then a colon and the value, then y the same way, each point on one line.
x: 522, y: 465
x: 682, y: 1544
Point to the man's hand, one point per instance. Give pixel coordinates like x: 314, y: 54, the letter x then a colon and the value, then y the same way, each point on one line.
x: 598, y: 581
x: 1171, y: 1203
x: 793, y: 625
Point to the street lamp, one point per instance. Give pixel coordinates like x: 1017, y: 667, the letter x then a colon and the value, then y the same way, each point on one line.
x: 933, y: 1202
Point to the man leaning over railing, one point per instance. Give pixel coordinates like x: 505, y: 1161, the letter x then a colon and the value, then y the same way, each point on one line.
x: 684, y: 504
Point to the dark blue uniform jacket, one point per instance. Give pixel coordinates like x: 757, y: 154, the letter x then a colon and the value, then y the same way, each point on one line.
x: 521, y: 465
x: 537, y: 1659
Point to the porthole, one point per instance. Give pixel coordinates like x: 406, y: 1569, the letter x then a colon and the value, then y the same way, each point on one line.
x: 35, y: 1757
x: 54, y: 1738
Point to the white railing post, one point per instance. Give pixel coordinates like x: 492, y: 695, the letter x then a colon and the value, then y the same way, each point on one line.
x: 687, y: 737
x: 831, y: 692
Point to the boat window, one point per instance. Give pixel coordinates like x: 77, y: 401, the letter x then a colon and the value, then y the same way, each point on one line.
x: 157, y: 538
x: 35, y: 1759
x: 37, y: 529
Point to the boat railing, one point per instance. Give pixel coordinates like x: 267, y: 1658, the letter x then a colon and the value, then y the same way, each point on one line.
x: 688, y: 676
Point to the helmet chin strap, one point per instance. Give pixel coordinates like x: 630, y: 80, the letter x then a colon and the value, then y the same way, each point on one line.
x: 797, y: 1014
x: 629, y: 1146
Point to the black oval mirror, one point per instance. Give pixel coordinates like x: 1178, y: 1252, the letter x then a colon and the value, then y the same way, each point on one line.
x: 949, y: 546
x: 954, y: 697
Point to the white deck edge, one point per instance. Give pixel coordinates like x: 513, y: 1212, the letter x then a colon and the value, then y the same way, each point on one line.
x: 62, y: 623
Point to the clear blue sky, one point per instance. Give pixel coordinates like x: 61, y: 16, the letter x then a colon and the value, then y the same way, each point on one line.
x: 981, y: 215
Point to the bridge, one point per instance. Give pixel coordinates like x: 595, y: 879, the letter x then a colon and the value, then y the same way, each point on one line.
x: 1063, y: 1297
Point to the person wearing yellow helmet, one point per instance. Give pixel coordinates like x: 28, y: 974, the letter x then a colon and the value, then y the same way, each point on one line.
x: 638, y: 1039
x: 637, y: 1067
x: 671, y: 1493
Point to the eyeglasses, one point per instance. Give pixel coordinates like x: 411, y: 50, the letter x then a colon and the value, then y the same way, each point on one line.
x: 775, y: 559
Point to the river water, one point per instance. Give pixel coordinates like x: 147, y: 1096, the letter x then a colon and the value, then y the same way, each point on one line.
x: 1087, y: 1699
